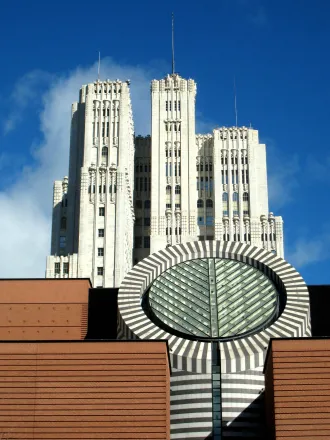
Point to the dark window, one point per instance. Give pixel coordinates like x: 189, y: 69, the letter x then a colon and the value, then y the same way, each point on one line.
x: 100, y: 270
x: 178, y: 206
x: 101, y: 233
x: 177, y: 189
x: 63, y: 223
x: 200, y: 203
x: 168, y: 189
x: 138, y: 221
x: 138, y: 242
x: 147, y: 242
x: 245, y: 197
x: 209, y: 220
x: 57, y: 268
x: 102, y: 211
x: 209, y: 237
x: 138, y: 204
x: 100, y: 252
x: 168, y: 205
x: 209, y: 203
x: 66, y: 268
x: 147, y: 204
x: 146, y: 221
x: 62, y: 242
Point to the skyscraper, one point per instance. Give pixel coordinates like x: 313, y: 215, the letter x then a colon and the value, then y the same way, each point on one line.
x: 93, y: 217
x: 186, y: 187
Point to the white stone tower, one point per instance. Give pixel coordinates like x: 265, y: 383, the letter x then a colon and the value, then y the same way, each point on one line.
x: 173, y: 153
x: 93, y: 216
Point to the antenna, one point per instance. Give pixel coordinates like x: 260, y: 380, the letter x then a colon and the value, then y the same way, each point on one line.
x: 173, y: 65
x: 235, y: 101
x: 98, y: 67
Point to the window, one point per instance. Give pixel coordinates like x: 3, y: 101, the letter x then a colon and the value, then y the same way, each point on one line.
x: 177, y: 189
x: 105, y: 154
x: 225, y: 212
x: 146, y: 221
x: 168, y: 231
x: 147, y: 242
x: 63, y: 223
x: 226, y: 237
x: 200, y: 221
x: 166, y: 105
x: 101, y: 233
x: 100, y: 270
x: 138, y: 204
x: 100, y: 252
x: 145, y: 168
x: 168, y: 205
x: 66, y: 203
x: 210, y: 167
x: 245, y: 197
x: 168, y: 189
x: 66, y: 268
x: 145, y: 184
x: 206, y: 167
x: 200, y: 203
x: 209, y: 203
x: 209, y: 220
x: 179, y: 105
x: 245, y: 212
x: 138, y: 221
x: 102, y: 211
x: 210, y: 237
x: 235, y: 197
x: 247, y: 177
x: 147, y: 204
x: 178, y: 206
x: 57, y: 268
x: 62, y: 242
x: 225, y: 197
x: 201, y: 238
x: 138, y: 242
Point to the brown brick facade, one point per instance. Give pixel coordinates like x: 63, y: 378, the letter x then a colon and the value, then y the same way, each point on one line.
x: 298, y: 389
x: 43, y: 309
x: 84, y: 390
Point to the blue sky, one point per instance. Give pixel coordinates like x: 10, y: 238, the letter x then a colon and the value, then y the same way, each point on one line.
x: 277, y: 50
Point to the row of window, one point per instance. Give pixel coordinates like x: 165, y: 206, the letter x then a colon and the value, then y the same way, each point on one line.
x: 176, y: 105
x: 139, y: 168
x: 235, y: 197
x: 207, y: 167
x: 105, y: 129
x: 234, y: 160
x: 143, y: 184
x: 237, y: 237
x: 139, y: 204
x: 91, y: 189
x: 234, y: 176
x: 138, y: 242
x: 146, y: 221
x: 177, y: 189
x: 176, y: 126
x: 204, y: 183
x: 272, y: 237
x: 225, y: 212
x: 208, y: 203
x: 168, y: 169
x: 169, y: 231
x: 57, y: 268
x: 169, y: 206
x: 205, y: 221
x: 168, y: 153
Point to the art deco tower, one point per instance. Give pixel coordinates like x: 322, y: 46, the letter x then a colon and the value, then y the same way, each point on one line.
x: 93, y: 218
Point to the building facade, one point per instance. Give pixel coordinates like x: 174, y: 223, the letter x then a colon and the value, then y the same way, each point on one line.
x: 93, y: 215
x: 184, y: 186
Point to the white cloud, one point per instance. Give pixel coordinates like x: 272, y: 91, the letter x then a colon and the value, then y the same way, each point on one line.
x: 283, y: 173
x: 308, y: 251
x: 26, y: 206
x: 26, y: 91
